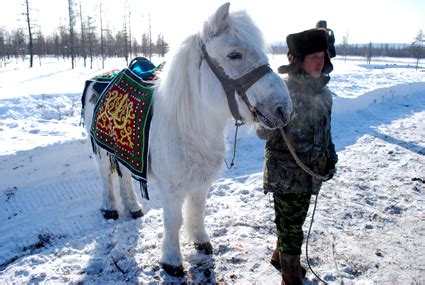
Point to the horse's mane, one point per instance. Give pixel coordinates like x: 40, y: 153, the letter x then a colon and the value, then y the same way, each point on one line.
x: 179, y: 89
x: 244, y: 28
x: 178, y: 83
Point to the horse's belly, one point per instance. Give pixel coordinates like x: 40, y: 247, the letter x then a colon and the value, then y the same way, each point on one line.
x: 185, y: 167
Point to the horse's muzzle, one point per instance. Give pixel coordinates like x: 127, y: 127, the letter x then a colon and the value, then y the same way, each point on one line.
x: 280, y: 118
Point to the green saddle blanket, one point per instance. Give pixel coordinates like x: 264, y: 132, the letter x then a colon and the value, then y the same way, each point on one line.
x: 121, y: 122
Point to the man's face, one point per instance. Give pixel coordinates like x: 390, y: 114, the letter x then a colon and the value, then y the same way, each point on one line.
x: 313, y: 63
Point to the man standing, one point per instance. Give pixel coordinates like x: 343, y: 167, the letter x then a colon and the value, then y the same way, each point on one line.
x: 310, y: 137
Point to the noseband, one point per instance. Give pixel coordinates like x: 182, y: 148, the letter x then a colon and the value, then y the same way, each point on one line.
x: 239, y: 86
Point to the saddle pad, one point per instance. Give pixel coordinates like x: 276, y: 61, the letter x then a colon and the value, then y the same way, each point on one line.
x: 121, y: 121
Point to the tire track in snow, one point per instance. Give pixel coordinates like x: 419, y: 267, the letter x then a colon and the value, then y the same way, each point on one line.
x: 71, y: 209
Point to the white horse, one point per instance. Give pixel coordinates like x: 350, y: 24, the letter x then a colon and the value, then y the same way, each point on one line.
x: 216, y: 73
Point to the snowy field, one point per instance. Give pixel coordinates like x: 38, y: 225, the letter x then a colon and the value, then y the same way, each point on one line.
x: 369, y: 226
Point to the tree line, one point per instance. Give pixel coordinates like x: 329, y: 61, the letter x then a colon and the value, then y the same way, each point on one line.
x: 86, y: 37
x: 82, y: 37
x: 416, y: 49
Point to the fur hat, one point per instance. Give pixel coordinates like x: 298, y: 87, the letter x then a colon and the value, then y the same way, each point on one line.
x: 307, y: 42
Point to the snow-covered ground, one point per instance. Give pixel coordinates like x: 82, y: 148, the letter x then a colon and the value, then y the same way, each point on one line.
x: 369, y: 225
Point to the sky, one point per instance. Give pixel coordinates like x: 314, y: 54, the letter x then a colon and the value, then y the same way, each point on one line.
x: 362, y: 21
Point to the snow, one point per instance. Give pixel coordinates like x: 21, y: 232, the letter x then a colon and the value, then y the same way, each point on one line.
x: 368, y: 228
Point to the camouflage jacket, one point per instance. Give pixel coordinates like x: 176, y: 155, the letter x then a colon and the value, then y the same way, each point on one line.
x: 310, y: 134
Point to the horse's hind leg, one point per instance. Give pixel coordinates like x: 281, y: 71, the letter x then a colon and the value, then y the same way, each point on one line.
x: 128, y: 194
x: 108, y: 175
x: 195, y: 223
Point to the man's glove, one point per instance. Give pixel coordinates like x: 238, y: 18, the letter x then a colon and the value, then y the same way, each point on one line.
x: 330, y: 169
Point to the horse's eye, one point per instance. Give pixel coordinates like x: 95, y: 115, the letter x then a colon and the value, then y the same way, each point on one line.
x: 235, y: 55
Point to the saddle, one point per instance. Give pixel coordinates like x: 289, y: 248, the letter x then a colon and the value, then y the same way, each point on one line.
x: 123, y: 114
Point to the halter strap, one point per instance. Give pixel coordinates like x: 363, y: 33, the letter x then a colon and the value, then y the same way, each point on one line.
x: 243, y: 83
x: 239, y: 85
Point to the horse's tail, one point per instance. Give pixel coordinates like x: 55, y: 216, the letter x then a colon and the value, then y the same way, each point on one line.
x: 83, y: 102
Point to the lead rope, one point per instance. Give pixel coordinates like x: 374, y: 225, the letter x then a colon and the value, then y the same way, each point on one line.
x: 237, y: 125
x: 308, y: 238
x: 315, y: 175
x: 299, y: 162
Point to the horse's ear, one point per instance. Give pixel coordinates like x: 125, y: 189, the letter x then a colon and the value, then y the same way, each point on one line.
x: 218, y: 22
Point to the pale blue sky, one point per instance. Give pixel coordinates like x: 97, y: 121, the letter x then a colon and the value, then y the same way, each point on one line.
x: 364, y: 21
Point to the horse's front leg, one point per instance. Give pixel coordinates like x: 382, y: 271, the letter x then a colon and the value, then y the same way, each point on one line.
x: 171, y: 259
x: 128, y: 194
x: 195, y: 222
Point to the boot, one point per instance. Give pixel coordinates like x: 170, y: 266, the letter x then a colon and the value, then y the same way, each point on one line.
x: 291, y: 269
x: 276, y: 262
x: 275, y: 258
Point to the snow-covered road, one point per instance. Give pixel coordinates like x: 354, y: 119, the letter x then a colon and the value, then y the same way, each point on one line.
x: 369, y: 225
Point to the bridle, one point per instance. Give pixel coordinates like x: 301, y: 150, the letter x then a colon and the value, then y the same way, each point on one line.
x: 240, y: 86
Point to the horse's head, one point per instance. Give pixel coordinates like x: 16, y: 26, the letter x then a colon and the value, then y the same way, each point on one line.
x: 233, y: 50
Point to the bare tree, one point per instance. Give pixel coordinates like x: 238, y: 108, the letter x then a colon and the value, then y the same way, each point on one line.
x: 112, y: 47
x: 40, y: 46
x: 145, y: 44
x: 124, y: 40
x: 134, y: 47
x: 83, y: 36
x: 150, y: 38
x: 345, y: 45
x: 4, y: 54
x: 91, y: 39
x: 30, y: 39
x: 63, y: 41
x: 56, y: 45
x: 128, y: 8
x: 161, y: 46
x: 102, y: 44
x: 18, y: 44
x: 417, y: 48
x: 369, y: 53
x: 71, y: 31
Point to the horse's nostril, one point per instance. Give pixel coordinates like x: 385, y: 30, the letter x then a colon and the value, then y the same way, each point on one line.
x: 280, y: 112
x: 283, y: 115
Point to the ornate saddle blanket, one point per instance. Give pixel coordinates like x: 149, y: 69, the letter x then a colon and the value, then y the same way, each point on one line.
x: 123, y: 114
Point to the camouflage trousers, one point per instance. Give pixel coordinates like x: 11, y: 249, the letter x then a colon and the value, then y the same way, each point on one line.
x: 291, y: 212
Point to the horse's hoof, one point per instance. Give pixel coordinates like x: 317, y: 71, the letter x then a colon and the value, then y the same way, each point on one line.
x: 110, y: 214
x: 175, y: 271
x: 205, y: 247
x: 137, y: 214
